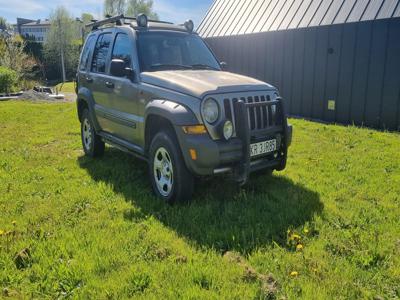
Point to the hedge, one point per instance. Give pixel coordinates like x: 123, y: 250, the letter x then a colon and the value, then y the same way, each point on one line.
x: 8, y: 80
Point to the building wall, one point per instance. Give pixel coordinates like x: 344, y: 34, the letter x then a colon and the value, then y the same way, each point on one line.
x: 39, y: 32
x: 345, y: 73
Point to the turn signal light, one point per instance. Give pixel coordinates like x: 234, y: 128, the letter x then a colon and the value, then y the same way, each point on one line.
x: 193, y: 154
x: 196, y: 129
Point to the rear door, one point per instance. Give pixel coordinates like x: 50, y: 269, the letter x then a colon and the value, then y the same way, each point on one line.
x: 84, y: 64
x: 97, y: 79
x: 123, y: 99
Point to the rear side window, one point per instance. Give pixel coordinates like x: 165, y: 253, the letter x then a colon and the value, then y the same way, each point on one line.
x: 123, y: 49
x: 100, y: 53
x: 86, y: 53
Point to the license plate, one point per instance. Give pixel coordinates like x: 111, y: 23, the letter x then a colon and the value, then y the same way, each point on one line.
x: 262, y: 147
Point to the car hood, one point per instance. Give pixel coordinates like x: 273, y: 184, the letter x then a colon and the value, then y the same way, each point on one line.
x: 199, y: 83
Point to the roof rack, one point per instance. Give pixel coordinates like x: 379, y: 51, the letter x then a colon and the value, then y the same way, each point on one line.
x: 118, y: 20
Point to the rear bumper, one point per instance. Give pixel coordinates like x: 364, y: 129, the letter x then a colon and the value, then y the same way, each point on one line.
x: 233, y: 156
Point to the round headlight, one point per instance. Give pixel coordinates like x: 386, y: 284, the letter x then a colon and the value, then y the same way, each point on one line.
x: 228, y: 130
x: 210, y: 110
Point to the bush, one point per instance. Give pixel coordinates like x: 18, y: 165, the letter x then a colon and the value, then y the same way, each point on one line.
x: 8, y: 80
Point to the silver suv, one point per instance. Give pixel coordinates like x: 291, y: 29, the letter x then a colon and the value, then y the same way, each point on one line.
x: 155, y: 90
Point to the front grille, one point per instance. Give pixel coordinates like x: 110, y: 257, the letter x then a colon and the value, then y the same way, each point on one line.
x: 259, y: 117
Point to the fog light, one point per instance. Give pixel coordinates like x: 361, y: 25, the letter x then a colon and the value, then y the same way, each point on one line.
x: 228, y: 130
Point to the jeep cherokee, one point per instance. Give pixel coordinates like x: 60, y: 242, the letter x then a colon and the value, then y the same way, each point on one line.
x: 156, y: 90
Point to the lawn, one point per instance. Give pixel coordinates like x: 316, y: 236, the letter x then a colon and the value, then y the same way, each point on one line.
x: 67, y: 87
x: 70, y: 226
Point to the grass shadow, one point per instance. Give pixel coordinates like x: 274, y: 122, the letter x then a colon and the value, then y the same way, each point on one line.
x: 221, y: 215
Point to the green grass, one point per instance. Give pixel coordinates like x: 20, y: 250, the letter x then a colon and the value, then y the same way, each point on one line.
x: 67, y: 87
x: 93, y: 229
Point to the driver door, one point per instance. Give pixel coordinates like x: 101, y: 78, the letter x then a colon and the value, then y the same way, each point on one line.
x: 123, y: 99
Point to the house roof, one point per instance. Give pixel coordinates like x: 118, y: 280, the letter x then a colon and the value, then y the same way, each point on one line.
x: 233, y: 17
x: 37, y: 23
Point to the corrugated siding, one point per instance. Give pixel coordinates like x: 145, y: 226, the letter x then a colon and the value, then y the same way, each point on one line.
x: 236, y: 17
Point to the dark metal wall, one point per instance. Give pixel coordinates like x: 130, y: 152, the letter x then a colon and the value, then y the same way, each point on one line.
x: 356, y: 65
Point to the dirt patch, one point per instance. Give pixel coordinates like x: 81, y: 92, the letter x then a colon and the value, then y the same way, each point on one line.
x: 268, y: 285
x: 35, y: 96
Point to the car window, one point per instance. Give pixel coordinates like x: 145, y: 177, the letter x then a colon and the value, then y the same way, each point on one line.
x: 100, y: 53
x: 86, y: 53
x: 173, y: 50
x: 123, y: 49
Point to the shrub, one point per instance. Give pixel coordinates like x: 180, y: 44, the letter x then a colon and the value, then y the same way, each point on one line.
x: 8, y: 80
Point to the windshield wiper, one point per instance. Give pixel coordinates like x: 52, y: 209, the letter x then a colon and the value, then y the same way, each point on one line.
x: 204, y: 66
x: 170, y: 66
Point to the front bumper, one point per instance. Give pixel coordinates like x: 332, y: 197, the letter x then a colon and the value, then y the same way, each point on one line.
x: 233, y: 156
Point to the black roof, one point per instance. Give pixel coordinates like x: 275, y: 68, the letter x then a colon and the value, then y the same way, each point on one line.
x: 233, y: 17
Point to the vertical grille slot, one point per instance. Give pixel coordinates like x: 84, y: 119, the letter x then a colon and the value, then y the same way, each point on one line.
x: 269, y: 112
x: 258, y: 110
x: 252, y: 115
x: 228, y: 109
x: 264, y: 113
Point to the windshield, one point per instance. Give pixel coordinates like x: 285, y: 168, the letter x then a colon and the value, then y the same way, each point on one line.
x: 174, y: 51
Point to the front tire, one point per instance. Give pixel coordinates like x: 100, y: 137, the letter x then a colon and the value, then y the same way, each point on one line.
x: 170, y: 179
x: 92, y: 144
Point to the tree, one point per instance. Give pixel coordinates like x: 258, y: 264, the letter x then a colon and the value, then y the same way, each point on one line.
x: 130, y: 8
x: 3, y: 24
x: 135, y: 7
x: 60, y: 47
x: 86, y: 18
x: 8, y: 80
x: 14, y: 57
x: 114, y: 7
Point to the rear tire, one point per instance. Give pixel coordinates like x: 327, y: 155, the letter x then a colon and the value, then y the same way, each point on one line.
x: 92, y: 144
x: 170, y: 179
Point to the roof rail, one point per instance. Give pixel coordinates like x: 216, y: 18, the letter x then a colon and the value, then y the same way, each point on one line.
x: 118, y: 20
x: 95, y: 25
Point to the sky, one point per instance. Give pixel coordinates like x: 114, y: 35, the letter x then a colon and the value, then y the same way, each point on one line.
x: 176, y: 11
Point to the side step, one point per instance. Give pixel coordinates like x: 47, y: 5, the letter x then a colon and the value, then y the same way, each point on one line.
x: 123, y: 145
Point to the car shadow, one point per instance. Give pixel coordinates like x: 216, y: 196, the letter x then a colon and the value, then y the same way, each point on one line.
x: 221, y: 215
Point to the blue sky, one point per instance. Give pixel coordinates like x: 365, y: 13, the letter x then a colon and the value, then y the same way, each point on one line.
x: 170, y: 10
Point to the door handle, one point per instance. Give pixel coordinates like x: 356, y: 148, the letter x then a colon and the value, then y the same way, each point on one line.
x: 109, y: 84
x: 89, y: 79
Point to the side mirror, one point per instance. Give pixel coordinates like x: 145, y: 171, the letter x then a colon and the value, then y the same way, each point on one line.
x: 118, y: 69
x: 223, y: 65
